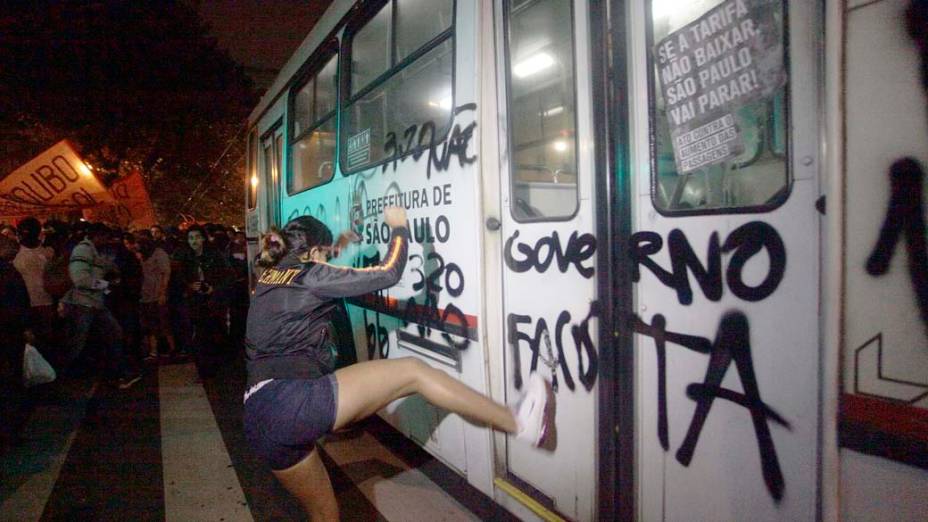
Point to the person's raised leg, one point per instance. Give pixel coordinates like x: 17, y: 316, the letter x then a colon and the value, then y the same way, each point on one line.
x: 309, y: 482
x: 366, y: 387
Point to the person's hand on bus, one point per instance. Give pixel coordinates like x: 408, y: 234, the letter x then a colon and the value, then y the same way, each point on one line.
x: 344, y: 239
x: 394, y: 216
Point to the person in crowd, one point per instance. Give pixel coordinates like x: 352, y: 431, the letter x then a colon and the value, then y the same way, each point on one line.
x: 294, y: 394
x: 56, y: 280
x: 14, y: 308
x: 174, y: 240
x: 157, y: 233
x: 84, y: 310
x: 31, y: 261
x: 238, y: 293
x: 153, y: 308
x: 123, y: 298
x: 161, y: 239
x: 77, y: 234
x: 204, y: 274
x: 8, y: 231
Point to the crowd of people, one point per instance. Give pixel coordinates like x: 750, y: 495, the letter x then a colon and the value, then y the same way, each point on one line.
x: 97, y: 299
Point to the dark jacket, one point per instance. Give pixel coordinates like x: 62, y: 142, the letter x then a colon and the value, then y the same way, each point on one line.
x: 14, y: 305
x: 214, y: 267
x: 129, y: 289
x: 289, y: 332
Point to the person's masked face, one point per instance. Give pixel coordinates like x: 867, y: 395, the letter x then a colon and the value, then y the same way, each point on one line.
x: 195, y: 239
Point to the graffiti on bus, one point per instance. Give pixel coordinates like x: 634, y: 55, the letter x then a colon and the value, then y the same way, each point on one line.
x: 538, y: 257
x: 377, y: 337
x: 555, y: 362
x: 421, y: 138
x: 743, y: 243
x: 580, y: 248
x: 905, y: 216
x: 732, y: 344
x: 434, y: 277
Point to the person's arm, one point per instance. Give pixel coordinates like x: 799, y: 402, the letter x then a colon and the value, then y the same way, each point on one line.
x: 330, y: 281
x: 165, y: 263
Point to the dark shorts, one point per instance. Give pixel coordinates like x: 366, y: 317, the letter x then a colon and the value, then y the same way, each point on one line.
x: 153, y: 318
x: 285, y: 417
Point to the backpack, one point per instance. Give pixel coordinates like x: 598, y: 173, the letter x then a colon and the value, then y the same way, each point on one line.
x: 57, y: 280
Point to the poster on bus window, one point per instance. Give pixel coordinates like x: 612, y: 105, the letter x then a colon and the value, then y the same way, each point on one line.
x: 55, y: 181
x: 708, y: 69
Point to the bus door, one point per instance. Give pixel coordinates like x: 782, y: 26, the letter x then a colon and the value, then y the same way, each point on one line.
x: 725, y: 257
x: 272, y: 150
x: 549, y: 245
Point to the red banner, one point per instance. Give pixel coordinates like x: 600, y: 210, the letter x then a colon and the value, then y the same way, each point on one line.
x: 132, y: 209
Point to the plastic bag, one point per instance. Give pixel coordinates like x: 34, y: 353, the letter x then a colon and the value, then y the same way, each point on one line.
x: 36, y: 369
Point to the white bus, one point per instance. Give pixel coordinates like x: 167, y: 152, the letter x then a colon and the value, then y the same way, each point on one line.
x: 680, y: 212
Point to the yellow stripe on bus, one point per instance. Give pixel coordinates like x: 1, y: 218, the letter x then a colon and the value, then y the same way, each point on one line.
x: 527, y: 501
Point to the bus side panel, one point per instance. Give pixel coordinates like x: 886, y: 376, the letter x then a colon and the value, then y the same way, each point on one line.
x: 433, y: 312
x: 885, y: 381
x: 727, y: 337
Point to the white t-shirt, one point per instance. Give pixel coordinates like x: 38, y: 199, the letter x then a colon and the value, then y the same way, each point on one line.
x: 30, y: 262
x: 155, y: 270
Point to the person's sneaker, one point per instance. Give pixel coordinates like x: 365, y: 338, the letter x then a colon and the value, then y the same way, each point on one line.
x: 127, y: 381
x: 531, y: 421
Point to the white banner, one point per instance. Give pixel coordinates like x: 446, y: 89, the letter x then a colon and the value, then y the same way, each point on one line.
x: 56, y: 180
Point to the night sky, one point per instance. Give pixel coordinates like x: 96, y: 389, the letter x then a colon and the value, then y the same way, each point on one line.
x: 261, y: 34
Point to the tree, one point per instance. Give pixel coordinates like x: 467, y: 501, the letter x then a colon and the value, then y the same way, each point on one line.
x: 135, y: 85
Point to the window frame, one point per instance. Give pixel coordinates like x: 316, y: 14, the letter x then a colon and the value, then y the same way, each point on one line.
x: 310, y: 70
x: 779, y: 197
x: 345, y: 100
x: 507, y: 29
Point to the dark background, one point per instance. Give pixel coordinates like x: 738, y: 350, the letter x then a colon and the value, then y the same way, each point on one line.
x: 163, y: 87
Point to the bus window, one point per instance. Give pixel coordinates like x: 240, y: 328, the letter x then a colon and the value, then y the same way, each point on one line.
x: 718, y: 104
x: 399, y: 76
x: 312, y: 148
x: 370, y: 56
x: 252, y: 189
x: 542, y: 109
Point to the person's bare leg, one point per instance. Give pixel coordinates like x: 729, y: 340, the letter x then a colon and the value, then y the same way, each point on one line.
x: 309, y: 482
x: 366, y: 387
x: 151, y: 344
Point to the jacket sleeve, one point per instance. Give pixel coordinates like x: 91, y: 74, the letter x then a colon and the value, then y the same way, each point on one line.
x: 330, y: 281
x: 80, y: 267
